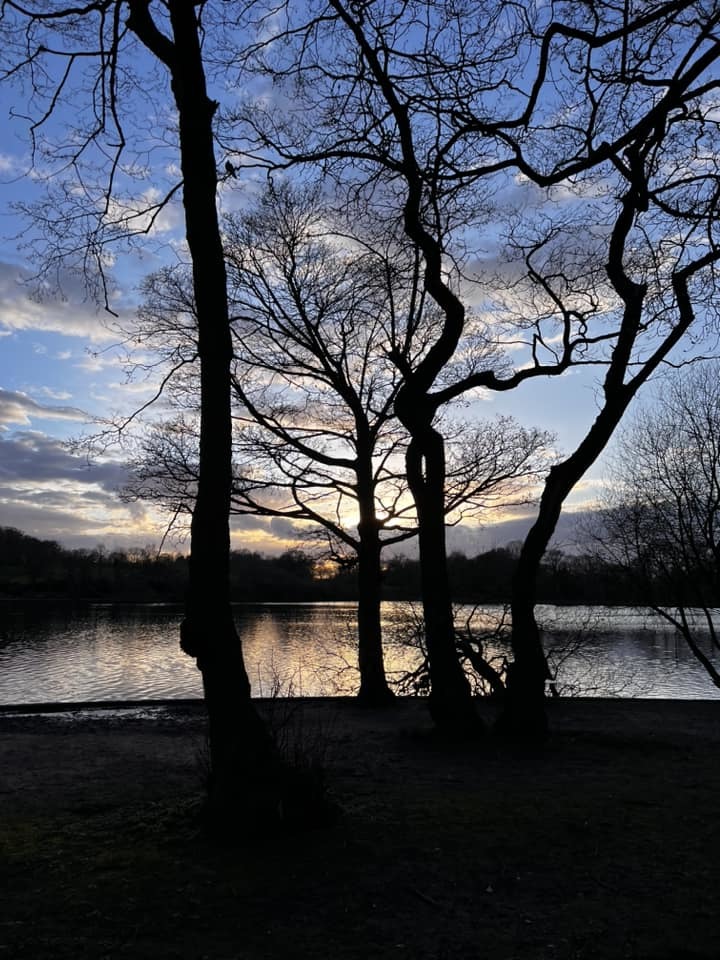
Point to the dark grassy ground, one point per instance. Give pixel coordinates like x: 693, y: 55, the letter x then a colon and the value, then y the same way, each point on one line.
x: 604, y: 843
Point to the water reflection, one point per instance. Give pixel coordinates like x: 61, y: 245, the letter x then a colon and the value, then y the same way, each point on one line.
x: 54, y: 652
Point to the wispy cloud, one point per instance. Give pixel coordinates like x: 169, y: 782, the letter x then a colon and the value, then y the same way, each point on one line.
x: 55, y: 394
x: 8, y: 164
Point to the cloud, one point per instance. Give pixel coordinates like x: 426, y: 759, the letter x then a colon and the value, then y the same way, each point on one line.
x: 50, y: 493
x: 47, y: 524
x: 472, y: 540
x: 500, y: 534
x: 148, y: 213
x: 73, y: 317
x: 16, y: 407
x: 32, y: 457
x: 73, y: 527
x: 55, y: 394
x: 284, y: 529
x: 270, y: 535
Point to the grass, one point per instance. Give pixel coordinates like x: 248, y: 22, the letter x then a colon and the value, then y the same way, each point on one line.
x: 601, y: 845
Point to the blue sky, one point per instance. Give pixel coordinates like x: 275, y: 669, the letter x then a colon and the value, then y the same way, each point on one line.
x: 58, y: 371
x: 60, y: 374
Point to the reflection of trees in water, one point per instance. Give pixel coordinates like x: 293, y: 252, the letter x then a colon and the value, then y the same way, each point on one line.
x: 55, y: 651
x: 589, y: 653
x: 300, y: 649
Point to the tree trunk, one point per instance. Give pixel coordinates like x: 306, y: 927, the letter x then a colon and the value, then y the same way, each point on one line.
x: 374, y: 690
x: 523, y: 714
x: 242, y: 755
x: 451, y: 703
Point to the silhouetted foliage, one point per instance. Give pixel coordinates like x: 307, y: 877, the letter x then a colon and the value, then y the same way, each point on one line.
x: 33, y: 567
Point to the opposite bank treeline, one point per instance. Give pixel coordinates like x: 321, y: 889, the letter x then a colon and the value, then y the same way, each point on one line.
x: 42, y: 568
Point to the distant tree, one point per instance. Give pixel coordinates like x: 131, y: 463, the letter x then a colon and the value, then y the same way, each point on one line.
x: 316, y: 305
x: 661, y: 519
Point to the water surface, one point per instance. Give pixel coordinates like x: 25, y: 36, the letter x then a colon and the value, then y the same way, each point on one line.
x: 52, y: 652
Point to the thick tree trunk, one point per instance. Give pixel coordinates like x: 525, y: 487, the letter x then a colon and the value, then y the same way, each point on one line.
x: 243, y: 761
x: 451, y: 702
x: 524, y: 713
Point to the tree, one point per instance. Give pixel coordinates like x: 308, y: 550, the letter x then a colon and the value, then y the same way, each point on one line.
x: 317, y: 310
x: 427, y: 113
x: 117, y: 56
x: 314, y: 305
x: 661, y: 521
x: 662, y: 253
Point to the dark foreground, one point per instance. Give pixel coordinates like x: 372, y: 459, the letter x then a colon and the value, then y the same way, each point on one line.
x: 604, y: 843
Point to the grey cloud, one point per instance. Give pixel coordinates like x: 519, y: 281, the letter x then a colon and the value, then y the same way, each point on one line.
x: 248, y: 522
x: 48, y: 524
x: 72, y: 530
x: 285, y: 529
x: 18, y: 407
x: 500, y: 534
x: 473, y: 540
x: 276, y: 527
x: 30, y: 456
x: 42, y: 494
x: 73, y: 315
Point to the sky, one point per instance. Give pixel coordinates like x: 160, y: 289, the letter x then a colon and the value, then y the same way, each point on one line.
x: 62, y: 374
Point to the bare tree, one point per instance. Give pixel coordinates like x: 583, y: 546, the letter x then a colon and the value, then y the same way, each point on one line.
x: 112, y: 62
x: 317, y: 313
x: 662, y: 253
x: 661, y: 519
x: 314, y: 308
x: 427, y: 112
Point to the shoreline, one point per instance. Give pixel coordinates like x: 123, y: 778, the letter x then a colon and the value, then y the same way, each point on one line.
x: 196, y: 703
x: 647, y: 718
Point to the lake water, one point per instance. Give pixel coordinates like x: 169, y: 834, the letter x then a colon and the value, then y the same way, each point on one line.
x: 50, y: 652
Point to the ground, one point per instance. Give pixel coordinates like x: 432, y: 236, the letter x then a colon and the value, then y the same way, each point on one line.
x: 603, y: 843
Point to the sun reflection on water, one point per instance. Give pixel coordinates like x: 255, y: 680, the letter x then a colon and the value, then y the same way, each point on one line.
x: 52, y: 653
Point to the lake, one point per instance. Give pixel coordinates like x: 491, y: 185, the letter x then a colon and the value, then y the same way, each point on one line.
x: 52, y: 652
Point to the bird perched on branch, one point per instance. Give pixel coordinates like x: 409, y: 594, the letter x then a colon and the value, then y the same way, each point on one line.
x: 230, y: 170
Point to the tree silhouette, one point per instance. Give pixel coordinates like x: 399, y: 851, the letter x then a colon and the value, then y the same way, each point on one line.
x: 659, y: 522
x: 112, y: 63
x: 434, y: 116
x: 317, y: 312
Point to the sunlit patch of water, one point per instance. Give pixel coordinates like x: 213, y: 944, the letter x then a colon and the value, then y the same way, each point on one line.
x: 50, y: 653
